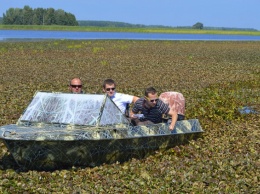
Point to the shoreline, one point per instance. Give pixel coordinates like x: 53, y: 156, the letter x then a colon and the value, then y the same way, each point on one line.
x: 118, y: 29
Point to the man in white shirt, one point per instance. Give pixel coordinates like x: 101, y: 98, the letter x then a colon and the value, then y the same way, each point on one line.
x: 121, y: 100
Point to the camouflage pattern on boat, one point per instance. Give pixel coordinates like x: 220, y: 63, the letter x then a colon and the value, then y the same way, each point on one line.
x: 60, y: 130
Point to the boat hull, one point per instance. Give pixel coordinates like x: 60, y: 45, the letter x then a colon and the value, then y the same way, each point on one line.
x: 49, y: 147
x: 49, y: 155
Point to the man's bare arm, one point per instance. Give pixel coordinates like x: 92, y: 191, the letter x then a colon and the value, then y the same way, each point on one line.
x: 174, y: 116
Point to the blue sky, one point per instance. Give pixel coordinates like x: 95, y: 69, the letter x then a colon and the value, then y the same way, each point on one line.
x: 217, y: 13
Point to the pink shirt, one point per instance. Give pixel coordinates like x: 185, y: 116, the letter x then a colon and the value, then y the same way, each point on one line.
x: 175, y: 100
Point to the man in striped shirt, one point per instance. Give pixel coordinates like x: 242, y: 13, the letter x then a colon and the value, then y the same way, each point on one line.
x: 152, y: 109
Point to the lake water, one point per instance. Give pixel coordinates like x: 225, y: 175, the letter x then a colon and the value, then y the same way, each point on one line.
x: 30, y: 35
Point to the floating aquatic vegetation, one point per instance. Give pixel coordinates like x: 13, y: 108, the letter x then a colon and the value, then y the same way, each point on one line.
x: 216, y: 78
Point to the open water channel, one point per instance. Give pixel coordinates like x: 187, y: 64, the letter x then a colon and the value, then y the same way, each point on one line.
x: 30, y: 35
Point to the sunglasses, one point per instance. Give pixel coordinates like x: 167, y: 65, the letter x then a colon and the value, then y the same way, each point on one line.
x: 108, y: 89
x: 155, y: 100
x: 74, y: 86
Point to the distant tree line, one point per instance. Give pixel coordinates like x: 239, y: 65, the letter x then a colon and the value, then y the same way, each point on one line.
x: 38, y: 16
x: 198, y: 25
x: 53, y: 17
x: 108, y: 24
x: 217, y: 28
x: 95, y: 23
x: 230, y: 29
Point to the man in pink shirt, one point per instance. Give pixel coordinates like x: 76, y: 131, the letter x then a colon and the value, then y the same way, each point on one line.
x: 175, y: 101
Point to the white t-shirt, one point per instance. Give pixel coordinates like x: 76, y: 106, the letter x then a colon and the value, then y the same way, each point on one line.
x: 121, y: 100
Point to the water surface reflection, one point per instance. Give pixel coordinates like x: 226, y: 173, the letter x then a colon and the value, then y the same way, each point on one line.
x: 32, y: 35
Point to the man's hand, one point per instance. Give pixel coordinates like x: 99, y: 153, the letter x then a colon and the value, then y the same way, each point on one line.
x: 171, y: 127
x: 133, y: 115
